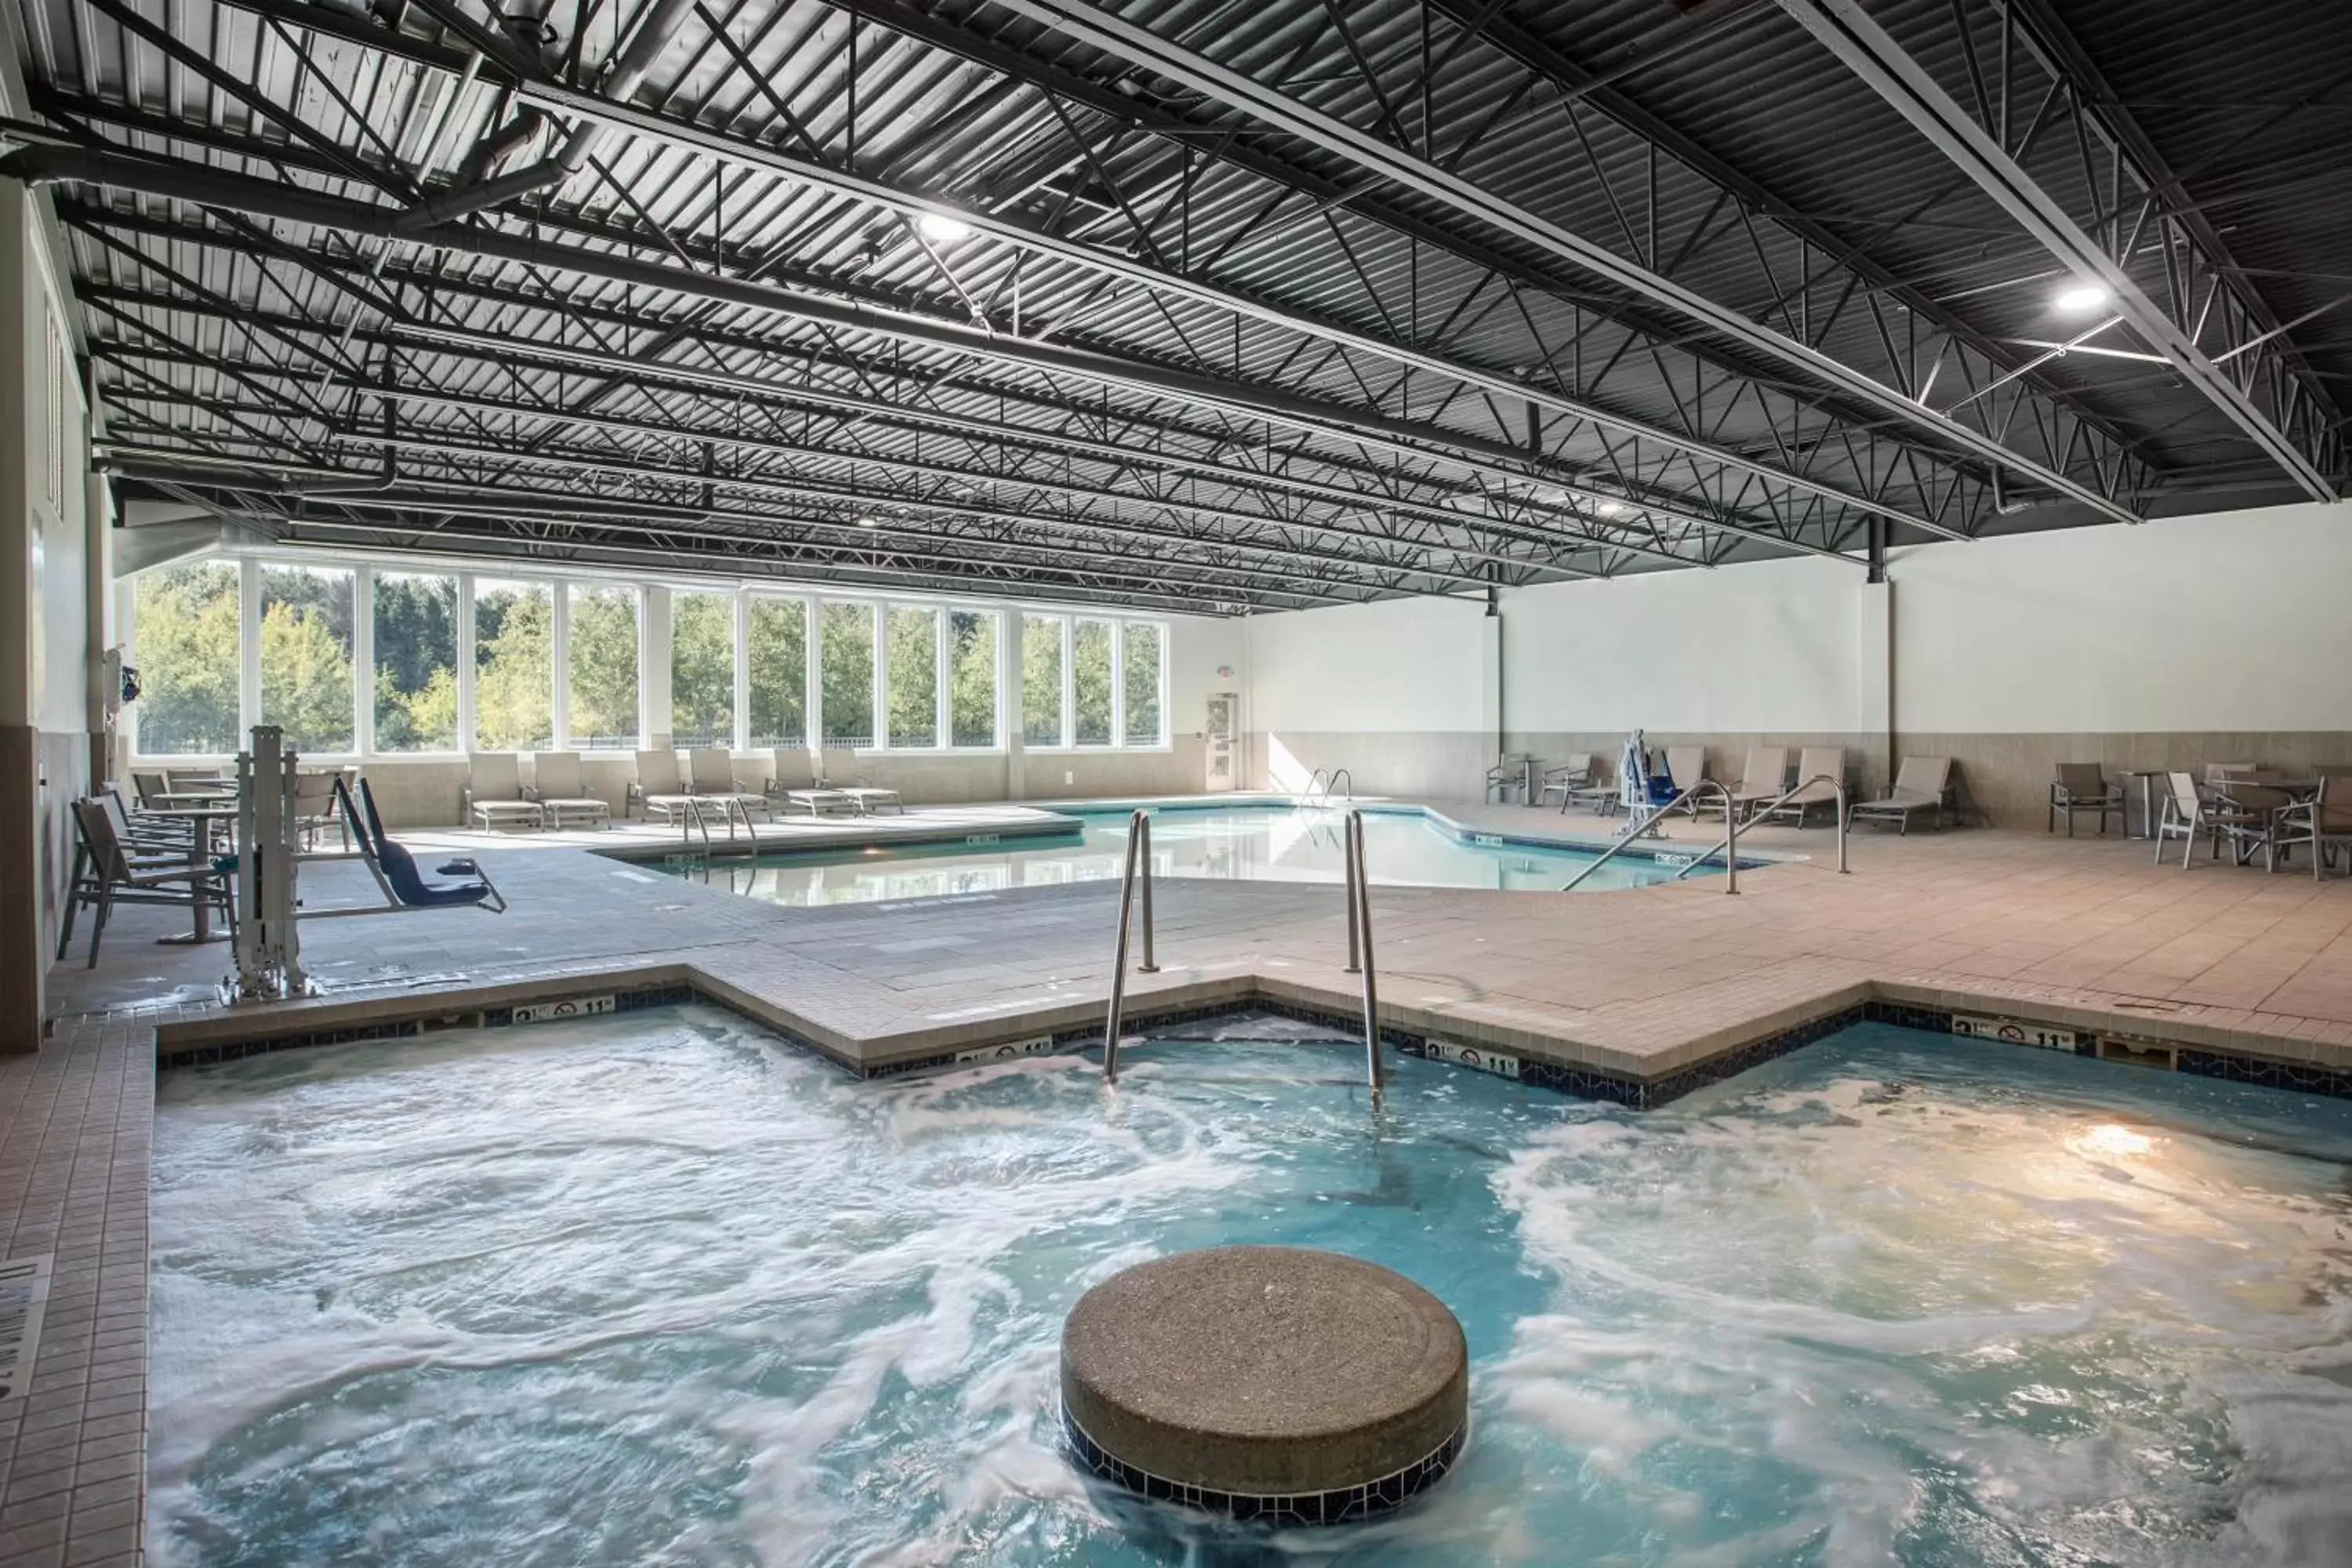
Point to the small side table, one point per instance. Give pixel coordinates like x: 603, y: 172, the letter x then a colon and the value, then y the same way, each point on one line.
x: 2148, y: 777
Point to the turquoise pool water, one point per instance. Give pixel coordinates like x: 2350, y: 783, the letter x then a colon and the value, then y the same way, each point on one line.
x: 656, y: 1289
x: 1249, y: 842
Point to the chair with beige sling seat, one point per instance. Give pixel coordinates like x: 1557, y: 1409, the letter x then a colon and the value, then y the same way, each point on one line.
x: 1821, y: 770
x: 711, y: 775
x: 2324, y: 822
x: 494, y: 796
x: 793, y: 786
x: 561, y: 797
x: 2081, y: 786
x: 1763, y: 777
x: 869, y: 798
x: 111, y: 876
x: 1922, y: 787
x: 1686, y: 765
x: 657, y: 788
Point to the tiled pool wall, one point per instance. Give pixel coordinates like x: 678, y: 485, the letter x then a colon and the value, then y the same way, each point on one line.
x: 1583, y: 1083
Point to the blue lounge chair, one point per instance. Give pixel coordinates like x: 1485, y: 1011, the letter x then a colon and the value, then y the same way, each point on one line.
x: 395, y: 868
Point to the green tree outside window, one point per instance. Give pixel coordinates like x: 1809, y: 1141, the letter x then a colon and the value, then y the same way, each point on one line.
x: 972, y: 677
x: 702, y: 670
x: 189, y: 651
x: 776, y: 647
x: 1090, y: 682
x: 846, y: 669
x: 1041, y: 680
x: 514, y: 666
x: 914, y: 676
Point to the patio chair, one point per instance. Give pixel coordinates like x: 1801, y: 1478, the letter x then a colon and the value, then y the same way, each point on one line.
x: 2251, y: 816
x: 107, y: 875
x: 1816, y: 766
x: 869, y: 797
x: 1511, y: 770
x: 1564, y: 781
x: 395, y: 872
x: 1597, y: 792
x: 2081, y: 786
x: 494, y: 792
x: 1762, y: 778
x: 2324, y: 822
x: 711, y: 775
x: 658, y: 790
x: 562, y: 799
x: 314, y: 807
x: 1921, y: 785
x: 792, y: 784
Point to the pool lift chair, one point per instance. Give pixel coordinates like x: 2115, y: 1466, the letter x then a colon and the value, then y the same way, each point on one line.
x: 396, y: 873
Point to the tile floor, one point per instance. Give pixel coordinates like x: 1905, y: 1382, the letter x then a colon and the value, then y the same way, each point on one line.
x: 2084, y: 933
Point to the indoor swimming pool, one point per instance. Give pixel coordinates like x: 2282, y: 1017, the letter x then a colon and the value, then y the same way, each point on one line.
x: 657, y: 1289
x: 1404, y: 848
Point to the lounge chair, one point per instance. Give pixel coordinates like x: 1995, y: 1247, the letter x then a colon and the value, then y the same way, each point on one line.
x: 2081, y: 786
x: 792, y: 784
x: 1564, y: 781
x: 394, y: 869
x: 710, y: 777
x: 561, y: 798
x: 658, y: 790
x: 1597, y: 792
x: 107, y: 873
x: 494, y: 793
x: 1816, y: 766
x: 1686, y: 765
x: 1921, y: 785
x: 1762, y: 779
x: 868, y: 798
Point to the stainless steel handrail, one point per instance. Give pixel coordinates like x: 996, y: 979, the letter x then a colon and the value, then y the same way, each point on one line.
x: 1138, y: 853
x: 1306, y: 795
x: 1636, y: 829
x: 1336, y: 775
x: 1731, y: 837
x: 1360, y: 936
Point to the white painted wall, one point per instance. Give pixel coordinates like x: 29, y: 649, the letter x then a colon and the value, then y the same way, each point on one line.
x: 1401, y: 666
x: 2236, y: 621
x: 1770, y: 647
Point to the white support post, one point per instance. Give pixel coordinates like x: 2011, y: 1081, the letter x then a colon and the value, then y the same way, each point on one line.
x: 248, y: 664
x: 363, y: 662
x: 743, y: 670
x: 559, y: 699
x: 465, y: 662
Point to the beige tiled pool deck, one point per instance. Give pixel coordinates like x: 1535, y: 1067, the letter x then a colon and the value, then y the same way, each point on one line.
x: 2082, y: 932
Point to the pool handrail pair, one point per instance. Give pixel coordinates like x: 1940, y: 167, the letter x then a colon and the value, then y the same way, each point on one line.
x: 1329, y: 781
x: 1635, y: 829
x: 1137, y: 869
x: 1770, y: 807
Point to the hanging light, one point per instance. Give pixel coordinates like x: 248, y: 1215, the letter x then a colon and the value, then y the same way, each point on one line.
x: 2081, y: 299
x: 941, y: 229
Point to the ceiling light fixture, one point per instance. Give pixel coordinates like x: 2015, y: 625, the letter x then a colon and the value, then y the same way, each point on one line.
x: 2081, y: 299
x: 1609, y: 507
x: 869, y: 522
x: 941, y: 229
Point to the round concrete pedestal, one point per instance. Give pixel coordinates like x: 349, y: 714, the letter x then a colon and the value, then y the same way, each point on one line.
x: 1266, y: 1383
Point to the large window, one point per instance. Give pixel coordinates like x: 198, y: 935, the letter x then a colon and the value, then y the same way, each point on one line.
x: 306, y: 656
x: 391, y: 660
x: 972, y: 677
x: 775, y: 635
x: 1090, y: 683
x: 600, y: 636
x: 1041, y: 680
x: 914, y: 674
x: 415, y: 621
x: 1139, y: 678
x: 514, y: 666
x: 845, y: 660
x: 188, y: 655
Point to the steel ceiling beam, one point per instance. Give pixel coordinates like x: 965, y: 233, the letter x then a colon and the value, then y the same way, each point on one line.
x: 1533, y: 525
x: 1140, y: 48
x: 889, y: 509
x: 671, y: 130
x: 1872, y: 53
x: 176, y: 179
x: 529, y: 509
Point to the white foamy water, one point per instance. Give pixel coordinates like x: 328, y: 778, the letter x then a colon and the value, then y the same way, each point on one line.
x: 654, y: 1289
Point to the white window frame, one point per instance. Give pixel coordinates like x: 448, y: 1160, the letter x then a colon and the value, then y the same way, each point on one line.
x: 1012, y: 617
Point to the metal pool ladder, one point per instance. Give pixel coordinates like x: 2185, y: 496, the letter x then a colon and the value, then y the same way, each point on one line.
x: 1359, y: 950
x: 1326, y: 782
x: 1138, y: 867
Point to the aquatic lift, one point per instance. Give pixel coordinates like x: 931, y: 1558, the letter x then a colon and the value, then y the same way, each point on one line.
x: 1137, y: 876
